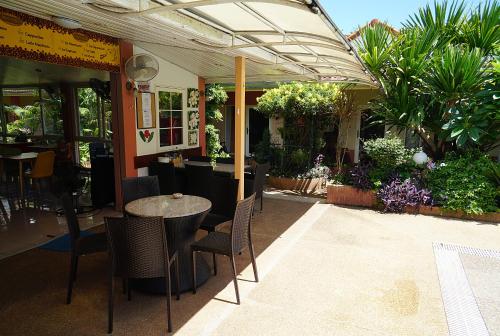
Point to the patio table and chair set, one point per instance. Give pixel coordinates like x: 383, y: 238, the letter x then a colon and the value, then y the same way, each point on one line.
x: 153, y: 248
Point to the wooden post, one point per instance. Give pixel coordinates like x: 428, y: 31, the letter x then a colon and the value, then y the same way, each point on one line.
x: 239, y: 142
x: 124, y: 128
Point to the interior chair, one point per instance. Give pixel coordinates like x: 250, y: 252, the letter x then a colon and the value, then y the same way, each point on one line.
x: 139, y: 250
x: 166, y: 176
x: 230, y: 244
x: 224, y: 198
x: 139, y: 187
x: 79, y: 245
x: 10, y: 186
x: 43, y: 170
x: 199, y: 180
x: 255, y: 184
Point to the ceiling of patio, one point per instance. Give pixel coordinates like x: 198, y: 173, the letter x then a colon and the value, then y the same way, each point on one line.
x: 282, y: 39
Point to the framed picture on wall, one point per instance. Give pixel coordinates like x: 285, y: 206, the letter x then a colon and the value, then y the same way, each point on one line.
x: 146, y: 110
x: 193, y: 138
x: 193, y: 98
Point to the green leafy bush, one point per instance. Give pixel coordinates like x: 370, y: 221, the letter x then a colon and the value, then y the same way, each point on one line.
x: 389, y: 156
x: 263, y: 148
x: 462, y: 183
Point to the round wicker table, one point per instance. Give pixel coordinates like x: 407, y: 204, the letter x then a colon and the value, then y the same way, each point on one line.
x: 182, y: 218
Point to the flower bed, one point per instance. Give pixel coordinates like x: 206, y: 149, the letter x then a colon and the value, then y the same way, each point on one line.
x: 351, y: 196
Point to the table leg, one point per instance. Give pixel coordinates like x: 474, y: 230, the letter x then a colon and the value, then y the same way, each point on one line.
x: 21, y: 182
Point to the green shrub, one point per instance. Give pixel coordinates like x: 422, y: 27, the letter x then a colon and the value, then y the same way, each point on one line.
x: 389, y: 156
x: 462, y: 183
x: 388, y: 152
x: 263, y: 148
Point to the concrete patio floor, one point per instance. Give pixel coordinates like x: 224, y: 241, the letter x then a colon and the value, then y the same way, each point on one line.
x: 325, y: 270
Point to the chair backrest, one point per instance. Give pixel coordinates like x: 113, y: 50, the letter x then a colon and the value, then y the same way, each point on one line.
x: 71, y: 219
x: 260, y: 178
x: 228, y: 160
x: 44, y: 165
x: 200, y: 158
x: 138, y: 246
x: 224, y: 195
x: 240, y: 229
x: 139, y: 187
x: 199, y: 180
x: 166, y: 176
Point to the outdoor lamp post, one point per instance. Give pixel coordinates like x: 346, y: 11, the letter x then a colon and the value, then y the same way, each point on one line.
x: 420, y: 158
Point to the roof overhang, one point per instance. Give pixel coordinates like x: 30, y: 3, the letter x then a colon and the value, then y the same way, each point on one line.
x: 282, y: 40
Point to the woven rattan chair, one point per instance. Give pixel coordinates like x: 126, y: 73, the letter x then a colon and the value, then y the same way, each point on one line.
x: 79, y: 245
x: 256, y: 184
x: 230, y: 244
x: 166, y: 176
x: 199, y: 180
x: 139, y: 187
x: 224, y: 192
x: 139, y: 250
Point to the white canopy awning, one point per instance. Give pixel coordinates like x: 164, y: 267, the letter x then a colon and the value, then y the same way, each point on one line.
x: 281, y: 39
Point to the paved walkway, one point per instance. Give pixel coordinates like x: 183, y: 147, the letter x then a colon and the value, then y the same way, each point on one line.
x: 340, y: 271
x: 325, y: 270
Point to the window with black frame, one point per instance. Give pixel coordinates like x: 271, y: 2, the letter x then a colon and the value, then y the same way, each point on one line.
x: 31, y: 112
x: 94, y: 119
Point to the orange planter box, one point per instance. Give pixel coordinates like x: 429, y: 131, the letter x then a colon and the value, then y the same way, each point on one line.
x: 348, y: 195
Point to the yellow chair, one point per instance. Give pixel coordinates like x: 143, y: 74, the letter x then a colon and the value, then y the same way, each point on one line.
x: 42, y: 169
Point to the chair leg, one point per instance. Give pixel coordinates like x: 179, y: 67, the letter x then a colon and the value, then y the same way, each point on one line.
x: 254, y: 263
x: 76, y: 269
x: 71, y: 277
x: 215, y: 263
x: 124, y: 286
x: 129, y: 290
x: 169, y: 301
x: 261, y: 203
x: 110, y: 302
x: 233, y: 266
x: 177, y: 278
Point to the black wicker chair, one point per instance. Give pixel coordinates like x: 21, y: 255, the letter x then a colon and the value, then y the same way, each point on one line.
x: 139, y: 187
x: 256, y: 183
x: 229, y: 160
x: 224, y: 192
x: 200, y: 158
x: 139, y: 250
x: 166, y: 176
x: 79, y: 245
x: 199, y: 180
x: 230, y: 244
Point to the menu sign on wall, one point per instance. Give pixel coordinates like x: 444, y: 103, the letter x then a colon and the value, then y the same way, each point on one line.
x: 28, y: 37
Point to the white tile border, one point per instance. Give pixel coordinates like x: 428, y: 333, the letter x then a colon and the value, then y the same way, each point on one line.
x: 460, y: 305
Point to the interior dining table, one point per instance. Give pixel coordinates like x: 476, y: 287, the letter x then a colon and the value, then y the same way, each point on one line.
x: 21, y: 158
x: 182, y: 217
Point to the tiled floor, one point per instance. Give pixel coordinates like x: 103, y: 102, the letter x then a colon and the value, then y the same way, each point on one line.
x: 324, y: 270
x: 28, y: 227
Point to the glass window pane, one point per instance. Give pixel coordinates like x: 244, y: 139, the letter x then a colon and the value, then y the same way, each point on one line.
x: 164, y: 102
x: 22, y: 111
x: 88, y: 112
x: 52, y: 112
x: 164, y: 119
x: 176, y: 136
x: 176, y: 118
x: 165, y: 137
x: 176, y: 101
